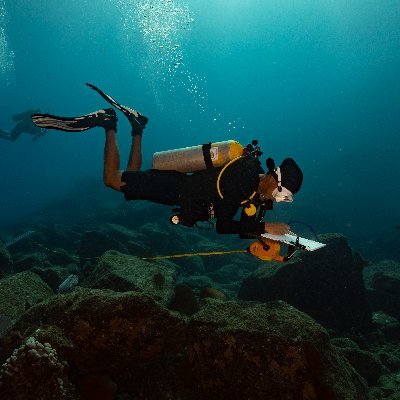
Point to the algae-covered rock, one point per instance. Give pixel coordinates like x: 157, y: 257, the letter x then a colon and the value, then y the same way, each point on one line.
x: 184, y: 300
x: 212, y: 293
x: 31, y: 260
x: 94, y: 244
x: 388, y: 325
x: 21, y: 291
x: 384, y: 294
x: 367, y: 364
x: 135, y: 242
x: 6, y: 262
x: 326, y: 284
x: 54, y: 276
x: 122, y: 273
x: 227, y: 350
x: 389, y: 388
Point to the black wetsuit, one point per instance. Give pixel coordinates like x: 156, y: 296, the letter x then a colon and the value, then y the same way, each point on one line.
x: 194, y: 193
x: 24, y: 124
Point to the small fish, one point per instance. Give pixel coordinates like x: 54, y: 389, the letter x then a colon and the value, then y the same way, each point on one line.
x: 68, y: 285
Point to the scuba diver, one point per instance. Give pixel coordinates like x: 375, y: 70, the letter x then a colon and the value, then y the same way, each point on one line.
x: 23, y: 125
x: 204, y: 194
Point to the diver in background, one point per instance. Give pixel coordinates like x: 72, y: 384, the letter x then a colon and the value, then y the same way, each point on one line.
x: 23, y: 124
x: 245, y: 183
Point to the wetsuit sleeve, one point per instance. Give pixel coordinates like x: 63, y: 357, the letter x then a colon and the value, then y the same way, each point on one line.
x: 227, y: 225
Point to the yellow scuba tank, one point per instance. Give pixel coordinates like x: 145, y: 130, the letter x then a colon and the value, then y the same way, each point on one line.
x: 195, y: 158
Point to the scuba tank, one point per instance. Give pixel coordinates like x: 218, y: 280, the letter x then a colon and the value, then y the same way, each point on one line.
x: 196, y: 158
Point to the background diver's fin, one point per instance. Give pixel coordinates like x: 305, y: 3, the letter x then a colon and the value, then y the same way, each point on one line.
x: 106, y: 97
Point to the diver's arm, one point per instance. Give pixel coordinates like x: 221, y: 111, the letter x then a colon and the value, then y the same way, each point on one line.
x: 226, y: 224
x: 247, y: 225
x: 250, y: 227
x: 276, y: 228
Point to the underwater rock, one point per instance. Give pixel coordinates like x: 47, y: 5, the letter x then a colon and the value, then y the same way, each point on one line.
x: 389, y: 388
x: 326, y: 284
x: 34, y: 371
x: 94, y: 244
x: 385, y: 289
x: 54, y: 276
x: 184, y: 300
x: 98, y: 387
x: 231, y: 350
x: 390, y: 357
x: 134, y: 241
x: 344, y: 343
x: 55, y: 236
x: 5, y: 323
x: 197, y: 282
x: 21, y: 291
x: 388, y: 325
x: 32, y: 260
x: 212, y: 293
x: 161, y: 238
x: 6, y: 262
x: 123, y: 273
x: 227, y: 274
x: 62, y: 257
x: 367, y: 364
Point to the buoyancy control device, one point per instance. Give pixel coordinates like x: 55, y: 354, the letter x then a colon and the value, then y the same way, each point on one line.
x: 199, y: 207
x: 197, y: 158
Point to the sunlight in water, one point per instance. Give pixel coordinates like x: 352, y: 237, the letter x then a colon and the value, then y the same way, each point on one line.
x: 154, y: 31
x: 6, y: 55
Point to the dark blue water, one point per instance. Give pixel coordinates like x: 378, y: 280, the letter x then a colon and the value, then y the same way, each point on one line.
x: 314, y: 80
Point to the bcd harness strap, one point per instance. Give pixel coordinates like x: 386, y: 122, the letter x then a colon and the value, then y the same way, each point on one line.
x: 243, y: 203
x: 206, y: 148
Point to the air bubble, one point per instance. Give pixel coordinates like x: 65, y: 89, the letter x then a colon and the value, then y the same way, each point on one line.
x: 161, y: 25
x: 6, y: 54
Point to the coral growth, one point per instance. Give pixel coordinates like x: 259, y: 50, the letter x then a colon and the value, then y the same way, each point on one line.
x: 34, y: 371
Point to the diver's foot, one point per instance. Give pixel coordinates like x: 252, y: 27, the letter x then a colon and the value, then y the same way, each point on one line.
x: 106, y: 119
x: 138, y: 121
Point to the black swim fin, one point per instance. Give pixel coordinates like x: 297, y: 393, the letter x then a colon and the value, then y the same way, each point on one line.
x: 138, y: 121
x: 106, y: 119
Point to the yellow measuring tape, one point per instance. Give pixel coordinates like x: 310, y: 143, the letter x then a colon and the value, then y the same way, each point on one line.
x: 212, y: 253
x: 268, y: 250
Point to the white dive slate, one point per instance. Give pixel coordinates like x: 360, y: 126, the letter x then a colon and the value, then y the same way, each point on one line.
x: 309, y: 245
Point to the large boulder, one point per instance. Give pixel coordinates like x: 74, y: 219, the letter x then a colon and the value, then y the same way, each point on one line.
x: 28, y: 261
x: 123, y: 273
x: 226, y: 350
x: 135, y: 242
x: 366, y: 363
x: 20, y: 291
x: 326, y: 284
x: 95, y: 243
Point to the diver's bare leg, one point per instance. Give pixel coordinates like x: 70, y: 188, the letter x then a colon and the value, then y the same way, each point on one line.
x: 135, y: 156
x: 112, y: 173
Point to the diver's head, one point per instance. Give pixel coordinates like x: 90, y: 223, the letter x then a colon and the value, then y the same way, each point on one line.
x: 280, y: 184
